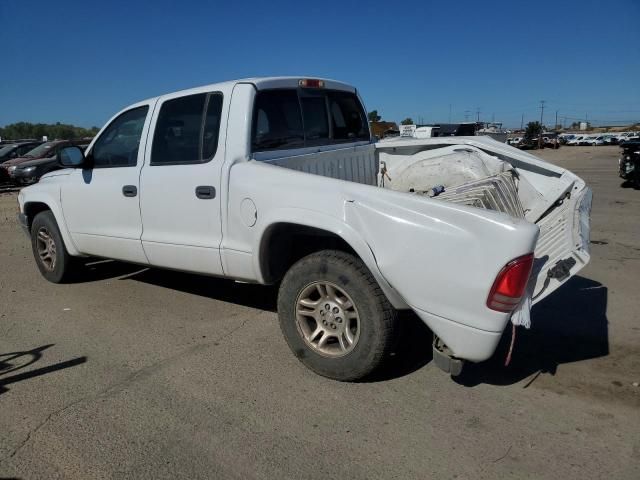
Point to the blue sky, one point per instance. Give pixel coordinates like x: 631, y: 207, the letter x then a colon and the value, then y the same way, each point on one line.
x: 81, y: 61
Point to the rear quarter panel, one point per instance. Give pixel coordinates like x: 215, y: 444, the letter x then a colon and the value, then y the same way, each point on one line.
x: 427, y: 255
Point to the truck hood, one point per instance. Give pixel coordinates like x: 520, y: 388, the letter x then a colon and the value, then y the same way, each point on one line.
x: 56, y: 173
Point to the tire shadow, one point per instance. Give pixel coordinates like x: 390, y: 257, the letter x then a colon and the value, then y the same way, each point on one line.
x: 568, y: 326
x: 245, y: 294
x: 96, y: 269
x: 412, y: 352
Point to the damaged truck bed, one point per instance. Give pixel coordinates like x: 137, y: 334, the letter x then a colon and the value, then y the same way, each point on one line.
x: 483, y: 173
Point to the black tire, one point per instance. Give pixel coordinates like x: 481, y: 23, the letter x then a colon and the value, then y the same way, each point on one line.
x: 375, y: 316
x: 45, y: 231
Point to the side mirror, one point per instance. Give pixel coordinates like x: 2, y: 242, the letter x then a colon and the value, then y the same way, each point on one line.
x: 71, y: 157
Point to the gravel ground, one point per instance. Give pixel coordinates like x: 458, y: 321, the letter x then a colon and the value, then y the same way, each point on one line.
x: 138, y: 373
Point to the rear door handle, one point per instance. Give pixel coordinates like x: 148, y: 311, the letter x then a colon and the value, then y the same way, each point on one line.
x: 129, y: 190
x: 205, y: 192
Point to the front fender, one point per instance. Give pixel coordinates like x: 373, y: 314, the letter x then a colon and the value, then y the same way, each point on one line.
x: 50, y: 196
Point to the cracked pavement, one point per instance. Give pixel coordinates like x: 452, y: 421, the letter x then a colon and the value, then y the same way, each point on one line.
x: 141, y: 373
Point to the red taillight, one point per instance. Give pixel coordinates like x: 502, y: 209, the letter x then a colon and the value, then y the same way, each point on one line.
x: 311, y: 83
x: 507, y: 290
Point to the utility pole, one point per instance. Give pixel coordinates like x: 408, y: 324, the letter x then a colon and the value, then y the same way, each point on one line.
x: 466, y: 115
x: 541, y: 117
x: 478, y: 115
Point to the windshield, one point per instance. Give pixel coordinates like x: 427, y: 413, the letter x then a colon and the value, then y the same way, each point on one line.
x: 40, y: 151
x: 6, y: 149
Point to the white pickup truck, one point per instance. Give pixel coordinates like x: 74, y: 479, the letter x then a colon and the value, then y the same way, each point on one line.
x: 278, y: 181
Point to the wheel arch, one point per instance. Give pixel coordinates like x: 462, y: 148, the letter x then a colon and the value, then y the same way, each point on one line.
x: 34, y: 206
x: 283, y: 242
x: 31, y: 209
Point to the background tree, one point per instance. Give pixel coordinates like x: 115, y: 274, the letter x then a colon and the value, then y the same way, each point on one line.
x: 57, y: 131
x: 407, y: 121
x: 374, y: 117
x: 533, y: 130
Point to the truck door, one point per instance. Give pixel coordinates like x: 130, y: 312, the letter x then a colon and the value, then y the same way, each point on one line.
x: 101, y: 203
x: 180, y: 183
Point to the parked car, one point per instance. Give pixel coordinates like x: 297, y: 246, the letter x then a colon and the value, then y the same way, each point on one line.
x: 575, y: 140
x: 550, y: 140
x: 596, y: 141
x: 629, y: 163
x: 633, y: 137
x: 624, y: 136
x: 227, y: 180
x: 30, y: 172
x: 586, y: 140
x: 45, y: 150
x: 564, y: 138
x: 9, y: 151
x: 514, y: 141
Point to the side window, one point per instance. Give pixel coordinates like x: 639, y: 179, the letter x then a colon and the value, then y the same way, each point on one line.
x: 24, y: 149
x: 211, y: 130
x: 187, y: 130
x: 277, y: 121
x: 118, y: 145
x: 348, y: 119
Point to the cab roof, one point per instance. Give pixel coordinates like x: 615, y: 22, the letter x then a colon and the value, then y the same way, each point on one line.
x: 260, y: 83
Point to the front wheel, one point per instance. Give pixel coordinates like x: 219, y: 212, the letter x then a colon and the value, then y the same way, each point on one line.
x: 335, y: 317
x: 53, y: 260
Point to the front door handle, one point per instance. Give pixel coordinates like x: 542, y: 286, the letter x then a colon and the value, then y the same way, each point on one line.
x: 129, y: 190
x: 205, y: 192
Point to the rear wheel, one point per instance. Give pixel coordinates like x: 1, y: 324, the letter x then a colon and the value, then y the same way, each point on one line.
x: 53, y: 260
x: 335, y: 317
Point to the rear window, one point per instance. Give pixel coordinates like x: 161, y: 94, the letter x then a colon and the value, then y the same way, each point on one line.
x: 347, y: 117
x: 289, y: 118
x: 277, y: 121
x: 314, y: 117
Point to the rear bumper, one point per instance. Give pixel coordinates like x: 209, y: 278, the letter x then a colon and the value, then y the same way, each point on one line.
x: 23, y: 220
x: 465, y: 342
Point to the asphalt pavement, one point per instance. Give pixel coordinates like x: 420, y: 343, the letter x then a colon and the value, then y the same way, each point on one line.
x: 142, y: 373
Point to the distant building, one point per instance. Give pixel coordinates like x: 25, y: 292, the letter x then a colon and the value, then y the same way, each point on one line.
x: 382, y: 129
